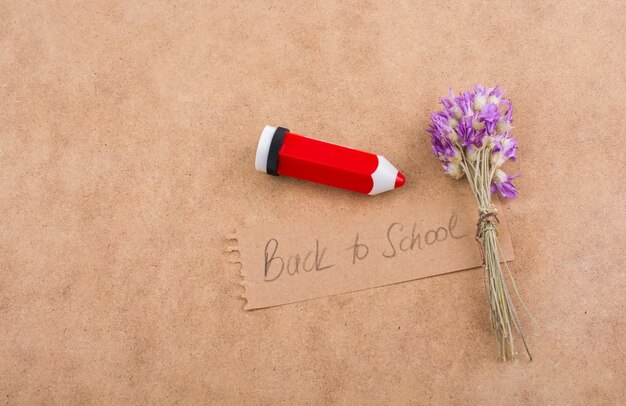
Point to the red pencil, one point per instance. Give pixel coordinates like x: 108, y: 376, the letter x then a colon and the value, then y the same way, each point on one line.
x: 281, y: 152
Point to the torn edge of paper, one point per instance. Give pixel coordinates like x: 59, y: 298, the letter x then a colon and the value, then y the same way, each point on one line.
x: 234, y: 258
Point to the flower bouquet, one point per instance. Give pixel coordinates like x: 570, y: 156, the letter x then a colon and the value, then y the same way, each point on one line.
x: 471, y: 137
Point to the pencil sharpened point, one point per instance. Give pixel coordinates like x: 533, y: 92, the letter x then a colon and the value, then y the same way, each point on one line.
x: 400, y: 180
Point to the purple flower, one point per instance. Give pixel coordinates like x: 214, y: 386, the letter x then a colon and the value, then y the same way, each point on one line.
x: 453, y: 169
x: 503, y: 185
x: 507, y: 145
x: 469, y: 117
x: 489, y: 115
x: 468, y: 134
x: 466, y: 103
x: 471, y: 125
x: 505, y: 148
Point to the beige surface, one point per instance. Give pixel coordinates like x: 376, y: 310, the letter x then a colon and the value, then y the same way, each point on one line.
x: 127, y: 139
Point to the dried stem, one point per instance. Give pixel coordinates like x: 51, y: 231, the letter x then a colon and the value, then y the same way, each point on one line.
x: 504, y: 319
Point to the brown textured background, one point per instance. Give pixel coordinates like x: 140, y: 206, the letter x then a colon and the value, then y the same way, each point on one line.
x: 126, y: 153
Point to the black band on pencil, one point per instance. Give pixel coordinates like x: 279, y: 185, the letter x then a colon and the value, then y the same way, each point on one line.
x: 272, y: 155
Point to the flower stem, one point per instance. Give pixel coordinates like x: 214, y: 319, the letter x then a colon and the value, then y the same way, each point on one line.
x: 504, y: 318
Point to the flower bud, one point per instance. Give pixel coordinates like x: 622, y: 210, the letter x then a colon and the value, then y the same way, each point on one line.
x: 453, y: 123
x: 453, y: 136
x: 488, y: 142
x: 493, y: 99
x: 457, y: 157
x: 503, y: 126
x: 497, y: 159
x: 479, y: 103
x: 499, y: 176
x: 456, y: 110
x: 506, y: 142
x: 471, y: 153
x: 455, y: 170
x: 478, y: 125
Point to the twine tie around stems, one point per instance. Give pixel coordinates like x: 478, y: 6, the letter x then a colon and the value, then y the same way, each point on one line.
x: 487, y: 221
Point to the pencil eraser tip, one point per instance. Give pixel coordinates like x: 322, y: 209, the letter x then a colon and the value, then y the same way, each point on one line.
x: 263, y: 149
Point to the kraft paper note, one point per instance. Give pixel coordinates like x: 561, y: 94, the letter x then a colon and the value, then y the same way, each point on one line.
x: 283, y: 262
